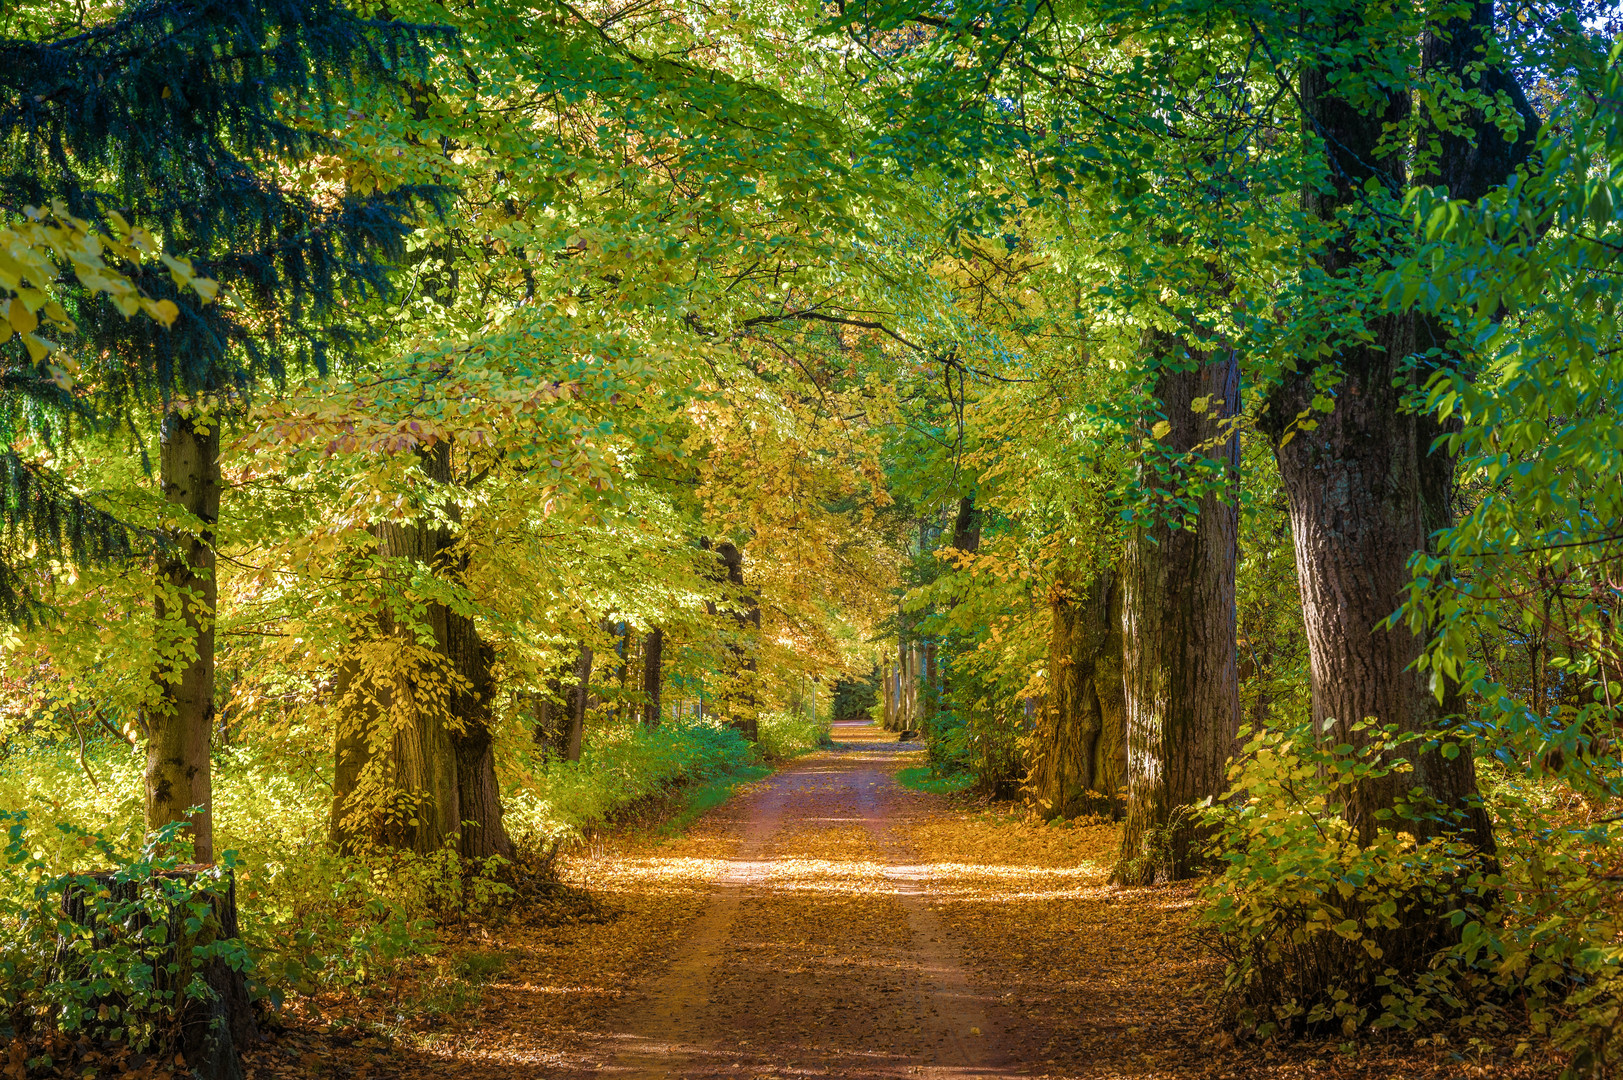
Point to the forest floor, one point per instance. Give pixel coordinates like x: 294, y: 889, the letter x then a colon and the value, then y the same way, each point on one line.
x: 828, y: 922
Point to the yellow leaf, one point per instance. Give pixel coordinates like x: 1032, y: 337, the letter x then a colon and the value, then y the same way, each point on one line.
x: 38, y: 348
x: 1161, y: 429
x: 166, y: 312
x: 22, y: 320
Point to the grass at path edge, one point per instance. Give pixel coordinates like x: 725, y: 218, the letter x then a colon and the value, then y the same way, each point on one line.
x: 919, y: 778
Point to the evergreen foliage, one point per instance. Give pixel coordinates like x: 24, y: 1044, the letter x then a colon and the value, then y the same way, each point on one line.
x: 184, y: 117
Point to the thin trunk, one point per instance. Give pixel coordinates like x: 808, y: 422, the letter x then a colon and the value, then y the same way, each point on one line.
x: 653, y: 649
x: 887, y: 709
x: 1077, y: 764
x: 181, y: 723
x: 932, y: 683
x: 579, y: 700
x: 743, y: 706
x: 622, y: 669
x: 1179, y: 627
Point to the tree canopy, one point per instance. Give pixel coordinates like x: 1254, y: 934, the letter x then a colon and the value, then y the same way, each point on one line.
x: 435, y: 431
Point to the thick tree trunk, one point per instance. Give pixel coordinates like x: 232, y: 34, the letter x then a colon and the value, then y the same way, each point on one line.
x: 1079, y: 761
x: 180, y: 725
x: 1179, y: 627
x: 395, y: 777
x: 478, y: 795
x: 1366, y: 489
x: 653, y: 655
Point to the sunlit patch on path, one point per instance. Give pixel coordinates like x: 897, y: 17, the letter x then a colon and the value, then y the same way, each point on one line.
x: 816, y: 954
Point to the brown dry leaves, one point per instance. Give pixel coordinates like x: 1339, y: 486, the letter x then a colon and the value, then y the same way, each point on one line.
x: 773, y: 940
x: 1110, y: 982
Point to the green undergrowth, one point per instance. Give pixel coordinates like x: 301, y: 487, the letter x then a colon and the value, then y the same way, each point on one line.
x: 317, y: 921
x: 695, y: 802
x: 922, y: 778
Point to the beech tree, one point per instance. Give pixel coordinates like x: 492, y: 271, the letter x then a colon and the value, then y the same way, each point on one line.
x: 1179, y: 616
x: 1369, y: 483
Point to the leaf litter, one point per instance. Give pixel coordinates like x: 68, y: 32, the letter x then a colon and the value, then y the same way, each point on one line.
x: 780, y: 936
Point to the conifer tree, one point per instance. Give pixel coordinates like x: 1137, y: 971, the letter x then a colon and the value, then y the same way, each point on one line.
x: 182, y: 116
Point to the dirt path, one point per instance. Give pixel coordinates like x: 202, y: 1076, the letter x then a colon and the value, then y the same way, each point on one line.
x: 828, y: 922
x: 817, y: 951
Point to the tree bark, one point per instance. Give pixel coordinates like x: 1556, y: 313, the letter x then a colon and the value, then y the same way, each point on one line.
x: 580, y: 699
x: 395, y: 779
x: 413, y: 745
x: 1079, y: 760
x: 478, y: 794
x: 743, y: 705
x: 966, y: 527
x: 180, y: 725
x: 1366, y: 489
x: 932, y: 684
x: 653, y: 654
x: 1179, y: 626
x: 887, y: 711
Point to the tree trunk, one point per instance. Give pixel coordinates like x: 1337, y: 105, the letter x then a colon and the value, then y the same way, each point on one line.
x: 653, y: 650
x: 552, y: 712
x: 888, y: 709
x: 395, y: 775
x: 1366, y: 489
x: 622, y: 674
x: 580, y: 699
x: 932, y: 684
x: 966, y: 528
x: 478, y: 795
x: 743, y: 706
x: 1078, y: 762
x: 1179, y: 627
x: 180, y: 726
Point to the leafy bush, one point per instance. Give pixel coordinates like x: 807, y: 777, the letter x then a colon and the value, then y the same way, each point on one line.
x: 131, y: 961
x: 620, y: 767
x: 1322, y: 933
x: 784, y: 735
x: 311, y: 919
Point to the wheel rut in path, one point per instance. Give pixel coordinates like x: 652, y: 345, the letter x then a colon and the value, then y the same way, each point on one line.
x: 818, y: 953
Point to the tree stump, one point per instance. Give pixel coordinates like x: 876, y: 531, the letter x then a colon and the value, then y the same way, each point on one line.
x: 116, y: 910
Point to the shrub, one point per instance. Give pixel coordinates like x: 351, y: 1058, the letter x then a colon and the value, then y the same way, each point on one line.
x: 1320, y: 932
x: 135, y: 960
x: 784, y: 735
x: 619, y: 768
